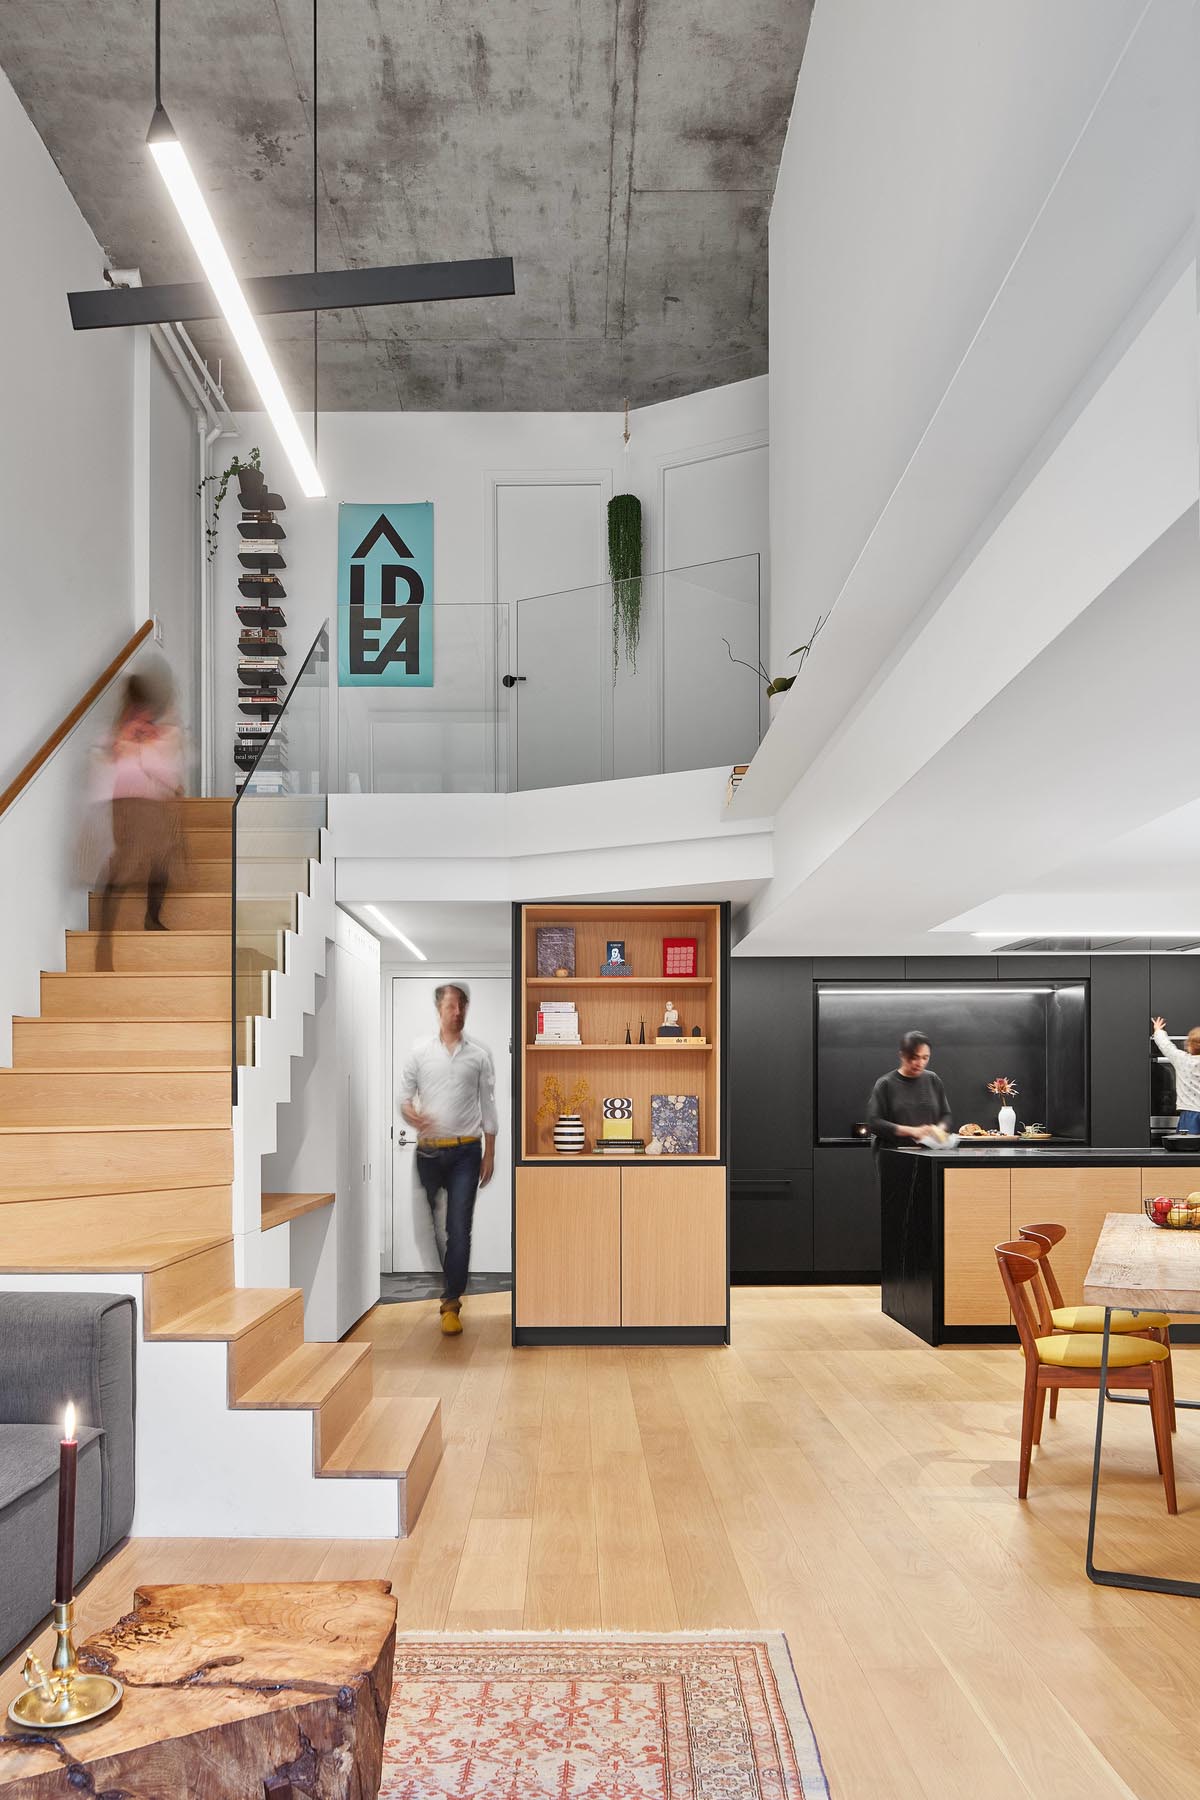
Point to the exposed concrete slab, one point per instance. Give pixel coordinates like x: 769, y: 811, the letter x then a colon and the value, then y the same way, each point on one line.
x: 622, y: 151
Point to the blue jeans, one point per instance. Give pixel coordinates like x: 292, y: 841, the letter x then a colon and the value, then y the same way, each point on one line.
x: 1189, y: 1122
x: 455, y: 1168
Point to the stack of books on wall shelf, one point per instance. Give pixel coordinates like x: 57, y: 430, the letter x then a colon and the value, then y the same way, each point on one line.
x: 557, y: 1023
x: 607, y: 1146
x: 735, y: 780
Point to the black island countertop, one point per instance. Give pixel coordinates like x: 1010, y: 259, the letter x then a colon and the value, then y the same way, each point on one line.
x: 944, y: 1211
x: 1084, y: 1155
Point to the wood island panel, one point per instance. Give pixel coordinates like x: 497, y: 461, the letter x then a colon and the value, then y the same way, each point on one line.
x: 568, y: 1246
x: 673, y: 1262
x: 1078, y: 1198
x: 975, y: 1218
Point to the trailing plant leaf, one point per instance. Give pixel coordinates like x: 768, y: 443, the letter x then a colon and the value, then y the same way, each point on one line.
x: 253, y: 461
x: 625, y: 572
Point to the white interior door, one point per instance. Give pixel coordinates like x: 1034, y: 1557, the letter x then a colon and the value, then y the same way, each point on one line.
x: 489, y: 1022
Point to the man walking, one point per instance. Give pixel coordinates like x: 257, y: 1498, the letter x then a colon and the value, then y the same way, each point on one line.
x: 448, y: 1095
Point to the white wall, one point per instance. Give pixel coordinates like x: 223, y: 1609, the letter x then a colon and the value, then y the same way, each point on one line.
x: 66, y: 603
x: 486, y: 473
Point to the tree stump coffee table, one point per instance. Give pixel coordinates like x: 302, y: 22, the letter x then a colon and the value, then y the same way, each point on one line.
x: 245, y: 1691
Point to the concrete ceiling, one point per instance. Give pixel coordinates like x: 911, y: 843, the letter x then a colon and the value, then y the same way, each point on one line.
x: 624, y: 152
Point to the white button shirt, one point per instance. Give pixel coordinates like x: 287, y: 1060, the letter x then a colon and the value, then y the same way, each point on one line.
x: 457, y: 1087
x: 1187, y: 1073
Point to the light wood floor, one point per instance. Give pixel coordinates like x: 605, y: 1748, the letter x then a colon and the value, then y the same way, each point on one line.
x: 830, y: 1476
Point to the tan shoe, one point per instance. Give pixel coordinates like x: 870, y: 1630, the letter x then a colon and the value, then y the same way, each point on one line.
x: 451, y: 1323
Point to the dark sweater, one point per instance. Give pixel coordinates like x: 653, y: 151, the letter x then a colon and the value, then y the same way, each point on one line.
x: 898, y: 1099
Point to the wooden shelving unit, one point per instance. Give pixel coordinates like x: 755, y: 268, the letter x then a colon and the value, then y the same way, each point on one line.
x: 599, y: 1252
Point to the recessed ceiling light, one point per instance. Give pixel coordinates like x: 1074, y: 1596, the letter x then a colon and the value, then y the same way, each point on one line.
x: 394, y: 931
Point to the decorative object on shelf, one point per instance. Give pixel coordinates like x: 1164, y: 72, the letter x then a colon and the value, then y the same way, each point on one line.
x: 221, y: 482
x: 625, y: 572
x: 628, y: 1035
x: 670, y: 1029
x: 385, y: 640
x: 564, y: 1106
x: 1006, y: 1119
x: 697, y: 1033
x: 556, y: 950
x: 675, y: 1122
x: 617, y: 1114
x: 614, y: 958
x: 641, y: 1031
x: 776, y: 685
x: 679, y: 957
x: 654, y: 1148
x: 67, y: 1695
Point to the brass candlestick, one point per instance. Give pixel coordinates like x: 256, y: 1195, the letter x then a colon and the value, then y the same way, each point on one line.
x: 68, y: 1695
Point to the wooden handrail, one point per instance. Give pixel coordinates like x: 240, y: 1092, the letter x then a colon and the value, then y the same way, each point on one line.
x: 72, y: 719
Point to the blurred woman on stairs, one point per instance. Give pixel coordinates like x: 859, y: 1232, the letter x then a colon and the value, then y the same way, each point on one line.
x: 139, y: 772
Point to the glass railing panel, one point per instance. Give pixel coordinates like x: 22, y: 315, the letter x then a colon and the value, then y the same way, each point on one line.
x: 712, y: 691
x: 450, y: 737
x: 564, y: 689
x: 277, y: 817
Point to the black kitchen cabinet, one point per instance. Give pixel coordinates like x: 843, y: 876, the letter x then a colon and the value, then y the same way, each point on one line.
x: 845, y: 1212
x: 770, y: 1065
x: 771, y: 1226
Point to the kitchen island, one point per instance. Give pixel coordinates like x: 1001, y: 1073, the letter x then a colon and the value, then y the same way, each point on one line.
x: 944, y: 1211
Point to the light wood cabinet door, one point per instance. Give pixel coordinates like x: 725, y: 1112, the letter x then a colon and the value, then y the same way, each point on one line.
x: 975, y: 1218
x: 1077, y: 1198
x: 673, y: 1246
x: 568, y: 1244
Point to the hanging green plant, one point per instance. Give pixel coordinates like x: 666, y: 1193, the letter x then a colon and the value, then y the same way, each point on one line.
x: 625, y: 571
x: 253, y: 461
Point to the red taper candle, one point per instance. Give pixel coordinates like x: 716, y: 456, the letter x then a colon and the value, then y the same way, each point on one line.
x: 68, y: 1453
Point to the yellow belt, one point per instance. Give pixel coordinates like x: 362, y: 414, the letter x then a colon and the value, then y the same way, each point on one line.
x: 443, y: 1143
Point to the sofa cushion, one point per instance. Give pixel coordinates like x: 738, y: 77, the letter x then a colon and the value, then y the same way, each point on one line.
x: 29, y: 1457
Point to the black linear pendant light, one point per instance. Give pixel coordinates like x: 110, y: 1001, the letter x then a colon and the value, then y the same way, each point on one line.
x: 243, y: 302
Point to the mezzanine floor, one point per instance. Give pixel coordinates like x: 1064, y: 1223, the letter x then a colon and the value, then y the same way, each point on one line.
x: 830, y: 1476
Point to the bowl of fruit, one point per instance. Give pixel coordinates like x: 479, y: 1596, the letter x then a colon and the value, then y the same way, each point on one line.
x: 1174, y: 1213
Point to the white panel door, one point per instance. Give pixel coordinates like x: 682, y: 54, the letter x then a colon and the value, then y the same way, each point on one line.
x: 490, y: 1022
x: 550, y: 556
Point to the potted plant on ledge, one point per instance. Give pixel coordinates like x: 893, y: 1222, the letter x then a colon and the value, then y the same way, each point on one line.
x: 564, y: 1107
x: 776, y: 686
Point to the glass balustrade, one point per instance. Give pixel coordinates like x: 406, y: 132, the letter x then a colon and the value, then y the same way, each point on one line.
x: 277, y: 816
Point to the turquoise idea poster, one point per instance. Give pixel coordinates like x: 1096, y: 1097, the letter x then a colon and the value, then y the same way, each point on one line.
x: 385, y: 595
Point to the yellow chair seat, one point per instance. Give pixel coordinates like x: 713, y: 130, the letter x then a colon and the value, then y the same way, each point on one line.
x: 1084, y: 1352
x: 1091, y: 1318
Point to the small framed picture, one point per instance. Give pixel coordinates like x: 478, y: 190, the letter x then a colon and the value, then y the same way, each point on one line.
x: 614, y: 950
x: 679, y: 956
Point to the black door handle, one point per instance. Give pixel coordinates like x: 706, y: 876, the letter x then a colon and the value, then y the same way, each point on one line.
x: 510, y: 680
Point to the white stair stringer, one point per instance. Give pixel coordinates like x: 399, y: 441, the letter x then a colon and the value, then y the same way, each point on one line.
x: 205, y: 1469
x: 265, y: 1084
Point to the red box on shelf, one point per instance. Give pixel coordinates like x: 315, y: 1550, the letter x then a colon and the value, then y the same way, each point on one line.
x: 679, y: 957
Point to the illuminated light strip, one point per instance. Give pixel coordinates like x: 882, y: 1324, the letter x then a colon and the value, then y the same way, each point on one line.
x: 900, y: 991
x: 176, y: 171
x: 394, y: 931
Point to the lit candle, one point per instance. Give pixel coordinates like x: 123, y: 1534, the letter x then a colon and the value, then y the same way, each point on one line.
x: 68, y: 1452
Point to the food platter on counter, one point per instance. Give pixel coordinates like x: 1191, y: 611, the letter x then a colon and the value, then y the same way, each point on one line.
x: 1004, y: 1137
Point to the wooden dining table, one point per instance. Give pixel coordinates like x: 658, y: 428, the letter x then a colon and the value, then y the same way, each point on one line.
x: 1146, y: 1268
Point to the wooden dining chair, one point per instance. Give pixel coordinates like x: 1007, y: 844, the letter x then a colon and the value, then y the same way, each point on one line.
x: 1154, y: 1325
x: 1056, y: 1360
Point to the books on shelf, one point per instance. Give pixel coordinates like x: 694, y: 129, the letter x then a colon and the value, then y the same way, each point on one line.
x: 735, y: 780
x: 557, y: 1023
x: 606, y: 1146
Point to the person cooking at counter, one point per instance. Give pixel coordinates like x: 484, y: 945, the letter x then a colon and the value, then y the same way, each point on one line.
x: 908, y: 1102
x: 1187, y: 1074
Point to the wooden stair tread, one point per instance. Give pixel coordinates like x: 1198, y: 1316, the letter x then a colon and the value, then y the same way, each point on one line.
x: 385, y: 1440
x: 130, y: 1256
x: 230, y: 1315
x: 193, y: 1068
x: 277, y: 1209
x: 68, y: 1130
x: 306, y: 1377
x: 72, y: 1190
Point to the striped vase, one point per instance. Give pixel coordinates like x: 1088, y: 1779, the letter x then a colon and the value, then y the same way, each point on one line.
x: 568, y: 1134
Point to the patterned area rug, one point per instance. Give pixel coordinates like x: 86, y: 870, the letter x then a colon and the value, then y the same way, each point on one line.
x: 525, y: 1716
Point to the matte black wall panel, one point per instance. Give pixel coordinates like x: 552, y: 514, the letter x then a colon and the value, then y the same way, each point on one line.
x: 858, y: 968
x: 772, y: 1224
x: 845, y: 1211
x: 1045, y: 968
x: 770, y: 1064
x: 950, y: 968
x: 1120, y: 1058
x: 1175, y: 991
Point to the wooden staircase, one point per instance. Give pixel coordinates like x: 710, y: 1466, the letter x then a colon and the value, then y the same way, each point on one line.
x: 116, y: 1151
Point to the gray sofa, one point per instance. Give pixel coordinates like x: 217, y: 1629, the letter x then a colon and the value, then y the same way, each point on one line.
x: 55, y: 1348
